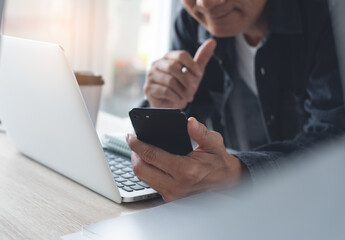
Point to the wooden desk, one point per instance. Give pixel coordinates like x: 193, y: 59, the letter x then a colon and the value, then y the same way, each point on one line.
x: 38, y: 203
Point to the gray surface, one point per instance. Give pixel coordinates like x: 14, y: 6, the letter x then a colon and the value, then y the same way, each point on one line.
x: 304, y: 202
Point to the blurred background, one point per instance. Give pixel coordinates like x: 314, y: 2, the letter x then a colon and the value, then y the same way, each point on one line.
x: 118, y: 39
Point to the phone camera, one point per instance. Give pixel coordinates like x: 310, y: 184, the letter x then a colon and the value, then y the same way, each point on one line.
x: 135, y: 116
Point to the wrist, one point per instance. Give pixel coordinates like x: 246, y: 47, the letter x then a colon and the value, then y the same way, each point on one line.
x: 236, y: 169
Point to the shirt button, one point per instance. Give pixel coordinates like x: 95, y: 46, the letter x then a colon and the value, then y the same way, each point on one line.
x: 272, y: 117
x: 263, y: 71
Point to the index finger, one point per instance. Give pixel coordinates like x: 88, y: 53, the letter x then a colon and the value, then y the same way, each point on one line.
x: 185, y: 59
x: 155, y: 156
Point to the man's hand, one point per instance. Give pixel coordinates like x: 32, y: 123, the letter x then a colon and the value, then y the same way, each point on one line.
x: 173, y: 176
x: 166, y: 86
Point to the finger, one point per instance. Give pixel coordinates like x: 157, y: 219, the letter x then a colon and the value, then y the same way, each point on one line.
x: 159, y: 91
x: 160, y: 181
x: 155, y: 156
x: 185, y: 94
x: 163, y: 103
x: 165, y: 79
x: 207, y: 140
x: 187, y: 80
x: 185, y: 59
x: 151, y: 175
x: 161, y: 100
x: 204, y: 52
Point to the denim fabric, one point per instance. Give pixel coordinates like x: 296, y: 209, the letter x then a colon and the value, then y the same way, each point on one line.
x: 297, y: 76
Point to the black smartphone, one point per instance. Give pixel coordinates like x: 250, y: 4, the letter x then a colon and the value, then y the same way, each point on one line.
x: 163, y: 128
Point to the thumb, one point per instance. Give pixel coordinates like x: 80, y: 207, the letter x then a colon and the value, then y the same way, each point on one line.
x: 204, y: 53
x: 206, y: 139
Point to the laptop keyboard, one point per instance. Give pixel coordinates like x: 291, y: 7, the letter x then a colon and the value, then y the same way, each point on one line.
x: 122, y: 170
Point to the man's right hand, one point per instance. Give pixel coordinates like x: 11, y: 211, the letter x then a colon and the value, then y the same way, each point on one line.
x: 166, y: 86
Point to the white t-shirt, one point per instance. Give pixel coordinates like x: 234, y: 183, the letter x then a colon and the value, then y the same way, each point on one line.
x: 244, y: 104
x: 245, y: 62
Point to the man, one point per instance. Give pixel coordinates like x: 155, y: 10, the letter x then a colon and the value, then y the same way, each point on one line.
x: 268, y: 81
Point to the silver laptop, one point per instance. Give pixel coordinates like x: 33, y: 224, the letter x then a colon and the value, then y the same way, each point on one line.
x: 46, y: 119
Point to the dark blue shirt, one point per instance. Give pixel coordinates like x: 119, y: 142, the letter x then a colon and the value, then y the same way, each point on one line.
x: 297, y: 77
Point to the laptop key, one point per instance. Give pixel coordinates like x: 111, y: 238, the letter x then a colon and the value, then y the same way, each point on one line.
x: 127, y: 175
x: 118, y: 172
x: 127, y: 163
x: 120, y: 179
x: 128, y: 189
x: 143, y: 184
x: 118, y: 160
x: 119, y: 165
x: 120, y: 185
x: 134, y: 179
x: 127, y: 169
x: 137, y: 187
x: 128, y: 183
x: 111, y: 162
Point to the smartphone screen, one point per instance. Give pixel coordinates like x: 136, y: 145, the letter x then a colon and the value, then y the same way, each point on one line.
x: 163, y: 128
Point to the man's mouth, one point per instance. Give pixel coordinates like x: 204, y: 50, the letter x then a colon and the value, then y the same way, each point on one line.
x: 222, y: 15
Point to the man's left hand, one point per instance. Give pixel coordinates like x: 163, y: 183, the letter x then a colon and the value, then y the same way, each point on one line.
x: 207, y: 167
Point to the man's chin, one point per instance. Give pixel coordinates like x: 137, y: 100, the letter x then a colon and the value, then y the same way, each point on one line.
x: 221, y: 33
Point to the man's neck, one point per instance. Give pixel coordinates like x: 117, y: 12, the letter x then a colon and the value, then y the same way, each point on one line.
x: 253, y: 40
x: 258, y: 31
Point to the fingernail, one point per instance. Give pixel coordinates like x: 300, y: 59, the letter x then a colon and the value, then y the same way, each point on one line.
x: 193, y: 122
